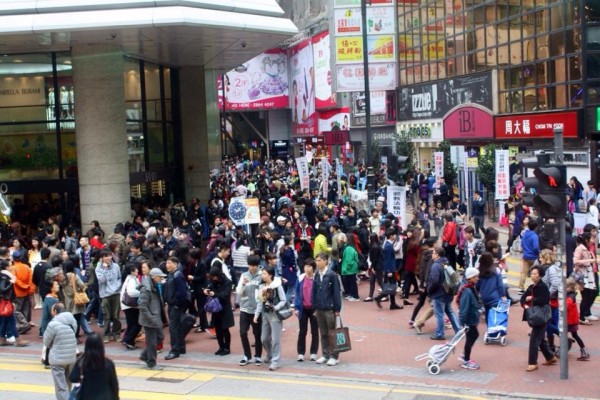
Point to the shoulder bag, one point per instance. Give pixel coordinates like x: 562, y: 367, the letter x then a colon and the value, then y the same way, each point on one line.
x: 80, y: 298
x: 284, y: 312
x: 128, y: 300
x: 213, y: 305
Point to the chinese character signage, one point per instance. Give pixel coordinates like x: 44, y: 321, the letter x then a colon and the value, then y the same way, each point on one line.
x: 304, y: 117
x: 264, y: 85
x: 324, y: 95
x: 396, y: 202
x: 537, y: 126
x: 302, y: 164
x: 343, y: 3
x: 380, y: 21
x: 469, y: 122
x: 502, y: 175
x: 434, y: 100
x: 380, y: 48
x: 350, y: 78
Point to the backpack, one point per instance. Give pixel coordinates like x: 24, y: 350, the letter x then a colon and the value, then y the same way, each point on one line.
x: 452, y: 280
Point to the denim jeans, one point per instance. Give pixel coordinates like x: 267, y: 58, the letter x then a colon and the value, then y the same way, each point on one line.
x: 8, y: 327
x: 443, y: 305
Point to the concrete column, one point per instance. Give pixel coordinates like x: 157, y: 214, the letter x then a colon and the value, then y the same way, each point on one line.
x: 102, y: 166
x: 200, y: 129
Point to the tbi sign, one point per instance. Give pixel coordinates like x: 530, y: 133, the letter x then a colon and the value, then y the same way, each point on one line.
x: 469, y: 123
x: 538, y: 126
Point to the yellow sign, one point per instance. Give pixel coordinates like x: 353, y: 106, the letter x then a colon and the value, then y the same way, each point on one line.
x: 252, y: 211
x: 513, y: 151
x: 432, y: 49
x: 349, y: 49
x: 472, y: 162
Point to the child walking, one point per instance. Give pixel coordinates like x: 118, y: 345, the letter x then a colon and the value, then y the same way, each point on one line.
x: 573, y: 318
x: 469, y: 315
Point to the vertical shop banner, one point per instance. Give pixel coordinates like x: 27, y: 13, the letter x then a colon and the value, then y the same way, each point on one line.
x: 466, y: 170
x: 579, y: 222
x: 502, y: 175
x: 304, y: 117
x: 339, y: 171
x: 324, y: 95
x: 439, y: 164
x: 396, y: 202
x: 302, y: 164
x: 325, y: 171
x: 264, y: 84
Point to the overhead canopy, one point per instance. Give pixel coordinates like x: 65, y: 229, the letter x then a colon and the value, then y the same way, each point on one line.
x: 216, y: 34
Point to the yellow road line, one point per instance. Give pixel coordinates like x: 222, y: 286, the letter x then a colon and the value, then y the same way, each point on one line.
x: 123, y: 394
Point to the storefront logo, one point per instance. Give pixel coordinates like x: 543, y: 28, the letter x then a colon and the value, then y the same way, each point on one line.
x: 466, y: 121
x: 421, y: 102
x: 539, y: 125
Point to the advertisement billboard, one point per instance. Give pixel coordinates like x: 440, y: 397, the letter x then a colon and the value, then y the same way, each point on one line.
x: 349, y: 49
x: 350, y: 77
x: 264, y: 84
x: 302, y: 77
x: 324, y: 95
x: 434, y: 100
x: 380, y: 21
x: 334, y: 120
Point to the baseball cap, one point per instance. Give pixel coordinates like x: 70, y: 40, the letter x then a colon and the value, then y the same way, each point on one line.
x: 303, y: 219
x: 281, y: 218
x: 157, y: 272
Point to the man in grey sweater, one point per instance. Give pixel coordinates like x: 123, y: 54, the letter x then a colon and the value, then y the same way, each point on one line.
x: 108, y: 275
x: 59, y: 337
x: 246, y: 291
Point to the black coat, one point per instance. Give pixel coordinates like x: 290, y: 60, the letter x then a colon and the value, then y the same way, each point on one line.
x: 540, y: 293
x: 97, y: 384
x: 223, y: 319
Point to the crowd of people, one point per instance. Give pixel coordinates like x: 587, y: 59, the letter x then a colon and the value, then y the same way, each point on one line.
x: 190, y: 267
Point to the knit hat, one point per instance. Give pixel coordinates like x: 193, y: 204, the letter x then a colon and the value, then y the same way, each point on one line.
x: 471, y: 272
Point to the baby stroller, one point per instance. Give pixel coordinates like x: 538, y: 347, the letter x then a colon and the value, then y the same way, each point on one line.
x: 438, y: 354
x: 497, y: 322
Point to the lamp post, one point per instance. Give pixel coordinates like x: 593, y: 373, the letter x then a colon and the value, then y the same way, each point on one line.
x: 365, y: 51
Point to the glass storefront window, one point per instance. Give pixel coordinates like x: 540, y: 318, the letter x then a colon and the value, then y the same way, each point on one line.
x: 155, y: 146
x: 152, y: 82
x: 167, y: 80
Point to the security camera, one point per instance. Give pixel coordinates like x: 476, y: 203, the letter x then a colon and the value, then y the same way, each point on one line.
x: 243, y: 45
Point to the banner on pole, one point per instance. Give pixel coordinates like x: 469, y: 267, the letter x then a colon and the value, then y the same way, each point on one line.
x: 325, y: 170
x: 466, y: 166
x: 303, y: 175
x: 438, y: 157
x: 579, y: 221
x: 396, y: 200
x: 502, y: 175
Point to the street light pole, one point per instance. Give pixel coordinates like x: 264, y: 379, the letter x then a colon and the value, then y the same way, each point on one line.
x: 365, y: 51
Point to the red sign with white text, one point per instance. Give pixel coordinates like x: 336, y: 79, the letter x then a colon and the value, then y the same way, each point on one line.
x: 537, y: 126
x: 467, y: 123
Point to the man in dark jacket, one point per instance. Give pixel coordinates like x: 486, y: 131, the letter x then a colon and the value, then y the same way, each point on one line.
x: 150, y: 304
x: 327, y: 302
x: 478, y: 213
x: 442, y: 301
x: 175, y: 297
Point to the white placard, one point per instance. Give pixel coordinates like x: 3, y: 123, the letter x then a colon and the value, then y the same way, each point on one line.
x: 396, y: 202
x: 359, y: 198
x: 303, y: 175
x: 438, y: 157
x: 350, y: 77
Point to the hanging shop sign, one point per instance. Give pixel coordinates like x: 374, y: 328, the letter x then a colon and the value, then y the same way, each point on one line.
x: 380, y: 21
x: 434, y: 100
x: 336, y: 137
x: 538, y: 125
x: 469, y: 123
x: 304, y: 116
x: 350, y: 77
x: 324, y: 95
x: 334, y: 120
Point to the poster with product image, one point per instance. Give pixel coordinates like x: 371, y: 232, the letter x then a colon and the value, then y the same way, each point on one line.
x: 324, y: 95
x: 302, y: 76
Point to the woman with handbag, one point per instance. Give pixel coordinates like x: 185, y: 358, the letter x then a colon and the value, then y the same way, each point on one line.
x: 349, y: 267
x: 8, y: 323
x: 219, y: 287
x: 94, y: 376
x: 583, y: 273
x: 270, y: 298
x: 535, y: 301
x: 129, y: 299
x: 376, y: 268
x: 74, y: 287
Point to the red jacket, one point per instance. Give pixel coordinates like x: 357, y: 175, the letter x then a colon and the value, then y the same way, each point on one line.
x: 572, y: 311
x: 449, y: 234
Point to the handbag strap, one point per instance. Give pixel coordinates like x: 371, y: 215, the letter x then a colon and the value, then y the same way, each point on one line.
x: 338, y: 319
x: 73, y: 282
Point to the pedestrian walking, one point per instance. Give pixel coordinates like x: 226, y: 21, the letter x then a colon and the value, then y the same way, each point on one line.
x: 150, y: 305
x: 59, y: 338
x: 219, y: 287
x: 175, y: 295
x: 132, y: 312
x: 573, y: 318
x: 469, y: 314
x: 94, y: 373
x: 537, y: 294
x: 108, y: 276
x: 442, y: 301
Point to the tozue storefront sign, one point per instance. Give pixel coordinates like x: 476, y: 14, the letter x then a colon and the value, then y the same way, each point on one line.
x: 537, y: 126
